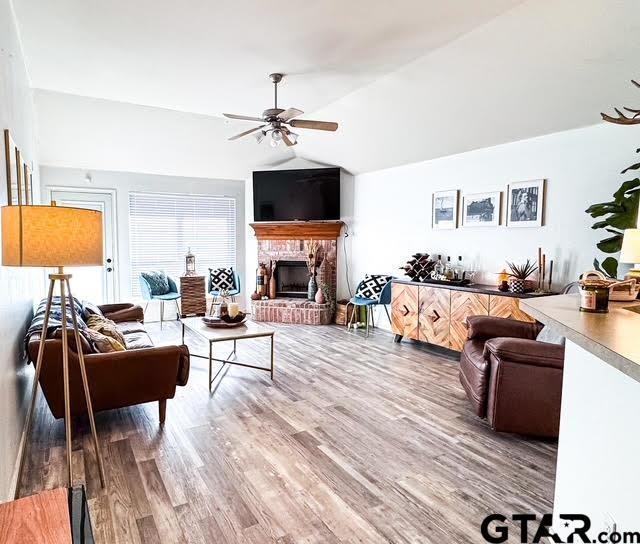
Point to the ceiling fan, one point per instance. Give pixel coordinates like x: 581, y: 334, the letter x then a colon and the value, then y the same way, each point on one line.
x: 275, y: 120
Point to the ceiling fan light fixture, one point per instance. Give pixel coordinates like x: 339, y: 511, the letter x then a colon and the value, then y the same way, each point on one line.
x: 259, y: 136
x: 293, y: 137
x: 274, y: 143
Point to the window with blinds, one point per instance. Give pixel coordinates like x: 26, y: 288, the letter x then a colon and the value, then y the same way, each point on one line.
x: 163, y: 226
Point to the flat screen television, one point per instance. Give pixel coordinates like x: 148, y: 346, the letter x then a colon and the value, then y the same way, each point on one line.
x: 311, y: 194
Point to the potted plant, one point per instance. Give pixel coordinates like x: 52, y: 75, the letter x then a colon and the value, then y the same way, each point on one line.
x: 518, y: 275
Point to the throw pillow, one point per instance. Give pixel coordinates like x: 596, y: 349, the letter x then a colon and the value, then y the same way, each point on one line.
x: 221, y: 278
x: 372, y: 286
x: 105, y: 326
x: 89, y: 308
x: 547, y: 334
x: 158, y: 282
x: 104, y: 343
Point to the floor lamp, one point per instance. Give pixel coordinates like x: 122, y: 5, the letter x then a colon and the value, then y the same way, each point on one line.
x: 52, y: 236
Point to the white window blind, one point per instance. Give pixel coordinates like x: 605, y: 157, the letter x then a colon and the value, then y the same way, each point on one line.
x: 163, y: 226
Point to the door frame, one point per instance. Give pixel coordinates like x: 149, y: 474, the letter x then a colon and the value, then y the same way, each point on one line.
x: 49, y: 189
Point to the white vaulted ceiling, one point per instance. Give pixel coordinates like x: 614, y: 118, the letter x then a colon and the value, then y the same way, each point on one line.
x: 407, y: 81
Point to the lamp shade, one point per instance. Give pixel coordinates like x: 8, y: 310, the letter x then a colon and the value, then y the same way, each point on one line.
x: 47, y: 236
x: 630, y: 246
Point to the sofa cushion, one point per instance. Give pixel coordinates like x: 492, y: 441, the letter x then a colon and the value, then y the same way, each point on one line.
x: 127, y: 327
x: 89, y: 308
x: 138, y: 340
x: 157, y: 281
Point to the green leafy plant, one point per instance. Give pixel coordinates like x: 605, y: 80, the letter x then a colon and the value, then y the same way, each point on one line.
x: 617, y: 215
x: 521, y: 271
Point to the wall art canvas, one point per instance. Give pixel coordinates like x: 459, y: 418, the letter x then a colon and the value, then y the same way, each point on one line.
x: 481, y: 209
x: 525, y: 205
x: 445, y: 210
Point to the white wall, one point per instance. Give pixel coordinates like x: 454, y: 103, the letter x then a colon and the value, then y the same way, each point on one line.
x: 597, y: 472
x: 123, y: 183
x: 81, y: 132
x: 18, y: 286
x: 392, y: 207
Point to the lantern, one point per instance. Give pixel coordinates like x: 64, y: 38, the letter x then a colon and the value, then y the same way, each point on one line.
x: 190, y: 264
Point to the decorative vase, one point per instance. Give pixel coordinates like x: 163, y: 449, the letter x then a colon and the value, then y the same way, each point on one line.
x: 312, y: 289
x: 516, y: 285
x: 272, y: 281
x: 320, y: 298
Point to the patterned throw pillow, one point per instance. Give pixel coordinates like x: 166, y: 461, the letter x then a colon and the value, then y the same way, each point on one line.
x: 104, y: 343
x: 105, y: 326
x: 221, y: 278
x: 372, y: 286
x: 158, y: 282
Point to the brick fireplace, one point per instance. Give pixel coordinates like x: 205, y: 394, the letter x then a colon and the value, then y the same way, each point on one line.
x: 285, y: 243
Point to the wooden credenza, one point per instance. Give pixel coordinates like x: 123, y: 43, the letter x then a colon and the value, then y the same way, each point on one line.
x: 438, y: 314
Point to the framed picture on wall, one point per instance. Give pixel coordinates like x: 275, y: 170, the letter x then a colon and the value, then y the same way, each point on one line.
x: 13, y: 169
x: 445, y: 210
x: 525, y: 203
x: 481, y: 209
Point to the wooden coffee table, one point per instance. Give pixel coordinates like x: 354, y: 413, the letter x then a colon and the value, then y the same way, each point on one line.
x: 248, y: 330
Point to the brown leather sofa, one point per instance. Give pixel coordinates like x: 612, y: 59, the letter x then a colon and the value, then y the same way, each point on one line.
x: 142, y: 373
x: 510, y: 378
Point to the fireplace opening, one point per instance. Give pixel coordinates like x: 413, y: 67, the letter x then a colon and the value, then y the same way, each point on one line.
x: 292, y: 279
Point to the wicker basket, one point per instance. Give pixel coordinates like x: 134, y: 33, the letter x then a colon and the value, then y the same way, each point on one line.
x: 342, y: 316
x: 192, y: 293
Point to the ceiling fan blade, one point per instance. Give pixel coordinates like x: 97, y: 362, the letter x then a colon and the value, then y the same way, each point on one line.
x: 246, y: 132
x: 287, y: 140
x: 316, y: 125
x: 243, y: 117
x: 290, y: 114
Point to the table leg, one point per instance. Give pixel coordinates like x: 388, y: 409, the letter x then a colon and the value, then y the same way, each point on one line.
x: 210, y: 363
x: 183, y: 333
x: 234, y: 347
x: 272, y: 357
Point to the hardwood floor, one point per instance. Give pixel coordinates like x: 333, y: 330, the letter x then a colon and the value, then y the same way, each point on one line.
x: 356, y: 440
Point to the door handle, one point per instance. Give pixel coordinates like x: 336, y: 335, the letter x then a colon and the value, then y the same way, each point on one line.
x: 435, y: 316
x: 406, y: 310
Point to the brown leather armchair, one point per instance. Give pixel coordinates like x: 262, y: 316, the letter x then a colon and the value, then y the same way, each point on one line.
x: 142, y: 373
x: 510, y: 378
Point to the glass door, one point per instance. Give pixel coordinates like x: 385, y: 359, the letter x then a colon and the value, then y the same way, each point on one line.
x: 95, y: 283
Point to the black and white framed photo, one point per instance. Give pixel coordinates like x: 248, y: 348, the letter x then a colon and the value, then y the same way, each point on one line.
x: 525, y: 203
x: 445, y: 210
x: 481, y: 209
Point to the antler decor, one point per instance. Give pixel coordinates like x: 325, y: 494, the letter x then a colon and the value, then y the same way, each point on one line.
x: 622, y: 118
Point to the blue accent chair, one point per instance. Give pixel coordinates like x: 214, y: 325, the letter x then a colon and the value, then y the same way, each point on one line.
x: 358, y: 302
x: 232, y: 292
x: 173, y: 294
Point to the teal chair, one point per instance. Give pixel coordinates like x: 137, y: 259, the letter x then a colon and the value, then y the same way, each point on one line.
x: 366, y: 303
x: 232, y: 292
x: 173, y: 294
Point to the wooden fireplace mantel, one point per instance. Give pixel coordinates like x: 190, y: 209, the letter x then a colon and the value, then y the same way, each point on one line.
x: 297, y: 230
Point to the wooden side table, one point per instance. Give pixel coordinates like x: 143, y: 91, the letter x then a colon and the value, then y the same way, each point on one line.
x: 193, y: 295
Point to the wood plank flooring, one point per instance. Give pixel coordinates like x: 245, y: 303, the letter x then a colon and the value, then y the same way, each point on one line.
x: 356, y: 440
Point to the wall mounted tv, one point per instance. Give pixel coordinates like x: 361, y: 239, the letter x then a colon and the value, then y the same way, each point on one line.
x: 311, y: 194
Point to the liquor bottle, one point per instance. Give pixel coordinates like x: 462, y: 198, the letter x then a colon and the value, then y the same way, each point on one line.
x: 439, y: 268
x: 459, y: 270
x: 448, y: 270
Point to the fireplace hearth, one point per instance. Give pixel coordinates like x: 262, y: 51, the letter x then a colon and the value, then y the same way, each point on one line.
x: 292, y: 279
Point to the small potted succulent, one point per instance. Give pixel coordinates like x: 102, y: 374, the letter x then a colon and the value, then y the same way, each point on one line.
x: 518, y: 275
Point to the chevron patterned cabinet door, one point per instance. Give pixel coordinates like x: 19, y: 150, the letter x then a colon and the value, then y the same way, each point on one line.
x: 508, y: 307
x: 463, y: 305
x: 404, y: 310
x: 434, y: 309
